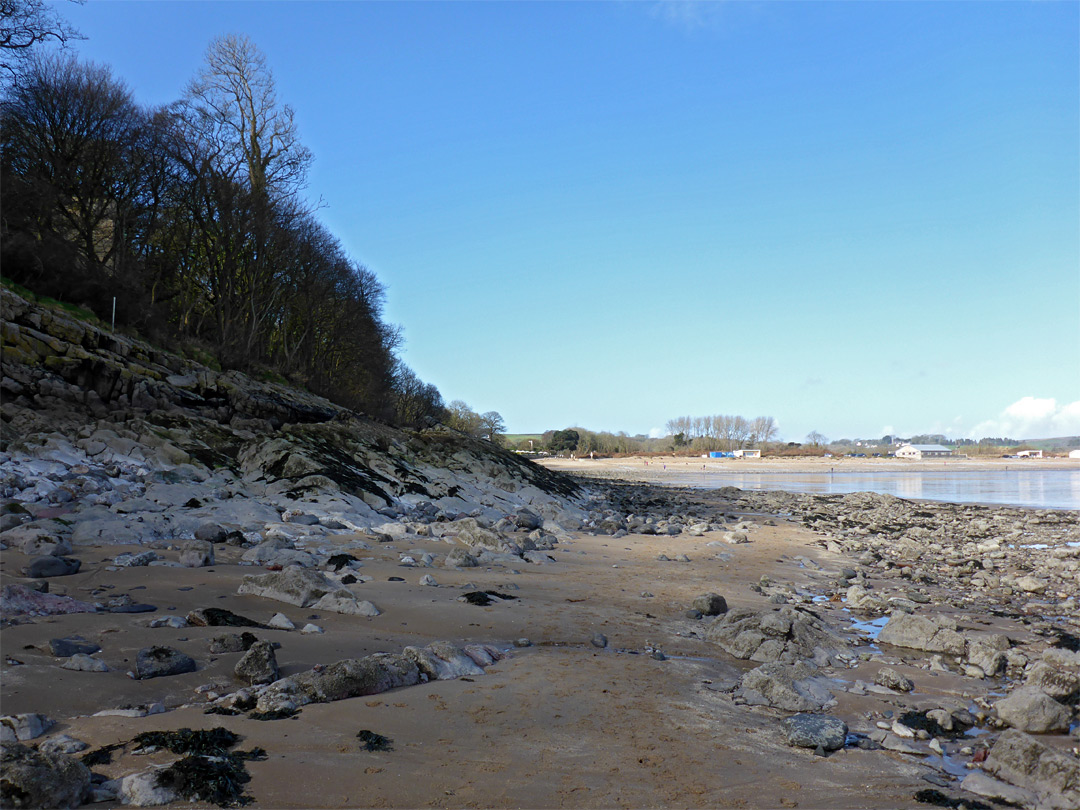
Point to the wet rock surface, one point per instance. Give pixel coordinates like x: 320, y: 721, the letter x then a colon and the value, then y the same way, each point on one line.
x: 33, y: 779
x: 814, y: 730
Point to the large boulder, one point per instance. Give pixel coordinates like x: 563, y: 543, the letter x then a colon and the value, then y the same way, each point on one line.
x: 1057, y: 674
x: 1032, y: 710
x: 293, y: 586
x: 35, y: 541
x: 159, y: 662
x: 471, y: 533
x: 33, y: 779
x: 196, y: 554
x: 23, y: 727
x: 814, y: 730
x: 460, y: 558
x: 988, y: 652
x: 50, y: 566
x: 795, y: 688
x: 786, y: 635
x: 711, y: 604
x: 259, y: 664
x: 1023, y: 761
x: 353, y: 677
x: 929, y: 633
x: 443, y: 661
x: 19, y: 600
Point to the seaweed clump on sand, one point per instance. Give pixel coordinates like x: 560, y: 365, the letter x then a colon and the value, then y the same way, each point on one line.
x: 214, y: 742
x: 100, y: 756
x: 375, y: 742
x: 939, y: 799
x: 209, y: 772
x: 219, y: 780
x: 274, y: 714
x: 484, y: 598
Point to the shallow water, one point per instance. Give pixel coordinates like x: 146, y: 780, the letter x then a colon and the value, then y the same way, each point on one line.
x: 1042, y: 489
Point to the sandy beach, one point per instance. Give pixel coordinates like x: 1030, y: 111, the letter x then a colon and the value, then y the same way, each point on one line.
x: 662, y: 469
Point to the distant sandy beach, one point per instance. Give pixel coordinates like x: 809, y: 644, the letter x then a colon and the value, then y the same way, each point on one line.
x: 668, y: 469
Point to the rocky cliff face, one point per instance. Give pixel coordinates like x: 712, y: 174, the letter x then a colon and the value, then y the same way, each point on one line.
x: 129, y: 441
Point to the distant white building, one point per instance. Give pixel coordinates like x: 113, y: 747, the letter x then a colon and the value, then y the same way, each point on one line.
x: 1074, y: 454
x: 920, y: 451
x: 747, y: 454
x: 1030, y: 454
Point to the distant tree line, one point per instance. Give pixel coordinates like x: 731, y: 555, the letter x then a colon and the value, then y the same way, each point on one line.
x: 192, y: 216
x: 488, y: 425
x: 722, y: 432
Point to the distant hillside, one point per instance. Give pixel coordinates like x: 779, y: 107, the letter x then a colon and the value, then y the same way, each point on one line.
x: 1058, y: 445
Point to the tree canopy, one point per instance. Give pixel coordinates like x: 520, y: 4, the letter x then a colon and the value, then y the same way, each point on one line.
x: 190, y: 216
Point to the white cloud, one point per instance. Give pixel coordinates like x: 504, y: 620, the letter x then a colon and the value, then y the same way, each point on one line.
x: 1033, y: 418
x: 687, y: 14
x: 657, y: 433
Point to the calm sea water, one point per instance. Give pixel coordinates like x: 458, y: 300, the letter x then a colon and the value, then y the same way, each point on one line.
x: 1043, y: 489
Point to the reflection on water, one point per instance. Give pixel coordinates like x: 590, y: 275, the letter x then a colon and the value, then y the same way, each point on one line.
x: 1044, y: 489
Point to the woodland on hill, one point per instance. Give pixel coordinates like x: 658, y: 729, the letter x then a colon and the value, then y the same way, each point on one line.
x: 192, y: 217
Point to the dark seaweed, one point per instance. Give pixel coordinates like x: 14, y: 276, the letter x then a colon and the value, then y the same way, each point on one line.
x: 339, y: 561
x: 100, y: 756
x: 219, y: 780
x: 1067, y: 641
x: 919, y: 720
x: 214, y: 742
x: 483, y: 598
x: 375, y: 742
x: 219, y: 617
x: 939, y: 799
x: 222, y: 710
x: 275, y: 714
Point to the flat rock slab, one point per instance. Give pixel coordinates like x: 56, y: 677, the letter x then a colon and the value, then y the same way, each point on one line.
x: 73, y: 645
x: 293, y: 586
x: 796, y: 688
x: 928, y: 633
x: 158, y: 662
x: 50, y: 566
x: 19, y: 600
x: 1021, y: 760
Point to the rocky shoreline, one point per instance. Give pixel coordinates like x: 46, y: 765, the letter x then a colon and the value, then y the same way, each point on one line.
x: 193, y: 558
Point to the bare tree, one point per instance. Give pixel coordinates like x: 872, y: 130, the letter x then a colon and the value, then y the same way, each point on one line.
x: 235, y: 97
x: 815, y: 438
x: 25, y: 24
x: 762, y: 430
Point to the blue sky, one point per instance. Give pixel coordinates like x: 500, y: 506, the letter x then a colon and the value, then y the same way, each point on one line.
x: 857, y: 217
